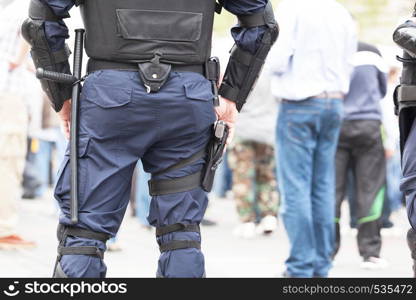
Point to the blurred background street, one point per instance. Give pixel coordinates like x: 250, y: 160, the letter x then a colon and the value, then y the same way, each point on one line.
x: 225, y: 254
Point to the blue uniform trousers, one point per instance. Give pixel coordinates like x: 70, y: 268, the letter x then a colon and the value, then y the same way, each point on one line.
x: 119, y: 124
x: 408, y: 182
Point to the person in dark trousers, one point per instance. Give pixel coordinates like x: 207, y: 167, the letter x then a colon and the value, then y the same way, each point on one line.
x: 360, y: 149
x: 149, y: 95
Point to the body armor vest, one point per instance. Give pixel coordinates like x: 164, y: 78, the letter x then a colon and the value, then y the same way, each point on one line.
x: 179, y: 31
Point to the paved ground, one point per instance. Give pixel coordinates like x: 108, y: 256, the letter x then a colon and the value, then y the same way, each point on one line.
x: 226, y: 255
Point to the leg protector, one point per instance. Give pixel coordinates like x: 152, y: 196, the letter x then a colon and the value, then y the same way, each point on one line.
x: 177, y: 244
x: 411, y: 241
x: 63, y: 233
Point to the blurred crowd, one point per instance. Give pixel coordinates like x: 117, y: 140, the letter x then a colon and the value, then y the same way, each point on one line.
x: 318, y: 129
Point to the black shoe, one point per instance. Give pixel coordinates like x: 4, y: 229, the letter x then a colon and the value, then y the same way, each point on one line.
x: 28, y: 195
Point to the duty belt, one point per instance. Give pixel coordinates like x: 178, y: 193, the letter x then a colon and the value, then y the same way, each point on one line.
x: 155, y: 73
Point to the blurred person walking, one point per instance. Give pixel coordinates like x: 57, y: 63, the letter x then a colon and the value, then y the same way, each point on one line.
x: 46, y: 149
x: 361, y: 150
x: 312, y: 74
x: 251, y: 159
x: 14, y: 119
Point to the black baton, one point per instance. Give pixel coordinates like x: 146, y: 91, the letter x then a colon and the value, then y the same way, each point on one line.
x: 75, y: 80
x: 76, y: 90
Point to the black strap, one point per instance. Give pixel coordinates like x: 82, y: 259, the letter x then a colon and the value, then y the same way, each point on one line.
x: 40, y: 11
x: 218, y: 6
x: 79, y: 2
x: 88, y: 234
x: 175, y: 245
x: 176, y: 185
x: 178, y: 227
x: 95, y: 65
x: 80, y: 250
x: 183, y: 163
x: 253, y: 20
x: 228, y: 92
x: 406, y: 93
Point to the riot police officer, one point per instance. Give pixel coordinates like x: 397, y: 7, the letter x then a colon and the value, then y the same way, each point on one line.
x: 148, y: 95
x: 405, y: 101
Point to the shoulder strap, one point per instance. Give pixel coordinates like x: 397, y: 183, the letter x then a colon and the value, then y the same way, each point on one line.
x: 218, y: 6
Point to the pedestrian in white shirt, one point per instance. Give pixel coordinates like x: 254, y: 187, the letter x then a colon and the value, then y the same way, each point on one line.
x: 312, y: 66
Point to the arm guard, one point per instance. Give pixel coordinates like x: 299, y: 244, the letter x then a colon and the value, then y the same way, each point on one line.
x: 33, y: 31
x: 405, y: 93
x: 405, y: 37
x: 244, y: 68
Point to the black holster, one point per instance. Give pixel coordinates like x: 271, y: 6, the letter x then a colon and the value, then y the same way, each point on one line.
x: 215, y: 153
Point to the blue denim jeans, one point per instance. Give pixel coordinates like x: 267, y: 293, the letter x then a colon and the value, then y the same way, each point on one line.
x: 307, y: 136
x: 142, y: 194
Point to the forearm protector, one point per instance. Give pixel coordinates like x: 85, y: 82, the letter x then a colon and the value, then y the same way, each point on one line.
x: 405, y: 37
x: 244, y: 68
x: 33, y: 31
x: 405, y: 93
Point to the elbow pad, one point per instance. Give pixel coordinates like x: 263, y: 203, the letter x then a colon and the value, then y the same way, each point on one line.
x: 405, y: 37
x: 244, y: 68
x: 33, y: 32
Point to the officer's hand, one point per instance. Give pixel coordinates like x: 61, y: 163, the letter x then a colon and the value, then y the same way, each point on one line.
x: 227, y: 112
x: 65, y: 115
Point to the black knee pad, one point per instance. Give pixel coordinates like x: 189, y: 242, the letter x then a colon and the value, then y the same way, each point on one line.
x: 63, y: 232
x: 178, y: 244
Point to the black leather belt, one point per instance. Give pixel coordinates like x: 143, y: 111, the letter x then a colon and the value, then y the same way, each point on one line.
x: 95, y: 65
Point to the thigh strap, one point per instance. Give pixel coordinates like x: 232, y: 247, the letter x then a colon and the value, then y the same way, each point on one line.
x: 159, y: 187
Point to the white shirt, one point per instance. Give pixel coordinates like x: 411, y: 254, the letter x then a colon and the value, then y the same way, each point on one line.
x: 11, y: 18
x: 314, y: 51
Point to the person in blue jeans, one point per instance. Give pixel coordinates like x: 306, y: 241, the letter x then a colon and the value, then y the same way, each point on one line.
x: 311, y: 74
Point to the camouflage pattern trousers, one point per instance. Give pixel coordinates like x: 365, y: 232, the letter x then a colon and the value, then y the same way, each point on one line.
x: 254, y: 180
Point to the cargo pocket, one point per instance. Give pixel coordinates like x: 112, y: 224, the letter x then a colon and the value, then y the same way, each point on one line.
x: 201, y: 100
x: 108, y: 96
x: 157, y: 25
x: 105, y: 109
x: 154, y: 26
x: 63, y: 183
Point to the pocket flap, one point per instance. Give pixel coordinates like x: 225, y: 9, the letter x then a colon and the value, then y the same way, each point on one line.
x: 157, y: 25
x: 199, y: 90
x: 83, y: 142
x: 108, y: 96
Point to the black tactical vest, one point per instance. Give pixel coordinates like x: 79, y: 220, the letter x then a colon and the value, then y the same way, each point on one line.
x: 134, y: 30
